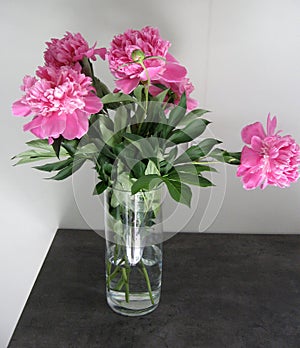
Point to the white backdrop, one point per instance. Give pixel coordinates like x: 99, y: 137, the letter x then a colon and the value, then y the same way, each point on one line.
x: 243, y: 58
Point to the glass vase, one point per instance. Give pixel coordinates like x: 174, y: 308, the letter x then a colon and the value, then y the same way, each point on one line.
x: 133, y: 231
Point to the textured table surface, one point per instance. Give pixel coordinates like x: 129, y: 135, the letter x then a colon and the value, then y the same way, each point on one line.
x: 219, y: 290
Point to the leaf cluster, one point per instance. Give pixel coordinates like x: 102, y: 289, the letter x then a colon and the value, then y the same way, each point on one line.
x: 134, y: 143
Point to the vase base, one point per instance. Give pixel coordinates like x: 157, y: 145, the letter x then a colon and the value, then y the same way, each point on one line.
x: 138, y: 305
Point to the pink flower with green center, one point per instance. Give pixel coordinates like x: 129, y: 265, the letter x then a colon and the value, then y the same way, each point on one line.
x: 270, y: 159
x: 142, y: 55
x: 61, y: 101
x: 70, y: 50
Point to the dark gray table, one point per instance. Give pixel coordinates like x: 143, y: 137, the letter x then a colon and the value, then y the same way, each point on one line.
x: 218, y: 291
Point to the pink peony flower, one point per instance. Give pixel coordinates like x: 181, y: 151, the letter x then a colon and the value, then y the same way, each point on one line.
x: 137, y: 56
x: 61, y: 100
x: 69, y: 50
x: 178, y: 88
x: 270, y: 159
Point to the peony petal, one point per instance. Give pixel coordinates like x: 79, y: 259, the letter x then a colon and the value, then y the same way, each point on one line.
x: 127, y: 85
x: 19, y: 108
x: 101, y: 52
x: 264, y: 184
x: 38, y: 132
x: 256, y: 143
x: 154, y: 90
x: 54, y: 125
x: 34, y: 124
x: 252, y: 180
x: 93, y: 104
x: 254, y: 129
x: 249, y: 157
x: 191, y: 104
x: 171, y: 58
x: 77, y: 125
x: 152, y: 72
x: 173, y: 72
x: 242, y: 170
x: 271, y: 125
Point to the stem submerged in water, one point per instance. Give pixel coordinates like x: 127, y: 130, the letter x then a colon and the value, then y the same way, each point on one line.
x: 115, y: 272
x: 147, y: 281
x: 125, y: 275
x: 123, y: 268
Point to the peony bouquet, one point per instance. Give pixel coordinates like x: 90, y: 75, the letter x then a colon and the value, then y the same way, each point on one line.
x: 138, y: 136
x: 152, y: 100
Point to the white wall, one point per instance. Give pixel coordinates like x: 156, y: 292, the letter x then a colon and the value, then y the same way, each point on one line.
x: 243, y: 58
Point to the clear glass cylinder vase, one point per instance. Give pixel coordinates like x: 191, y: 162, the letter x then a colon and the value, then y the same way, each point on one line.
x: 133, y: 232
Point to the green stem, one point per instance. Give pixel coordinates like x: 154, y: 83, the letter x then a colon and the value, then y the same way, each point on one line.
x: 115, y: 272
x: 108, y: 274
x: 146, y: 86
x: 120, y: 285
x: 147, y: 281
x: 156, y: 57
x: 206, y: 162
x: 146, y: 92
x: 116, y: 252
x: 126, y: 280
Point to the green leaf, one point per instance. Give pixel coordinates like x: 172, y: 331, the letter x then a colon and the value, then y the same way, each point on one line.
x: 206, y: 145
x: 56, y: 145
x: 86, y: 67
x: 155, y: 117
x: 118, y: 148
x: 116, y: 98
x: 163, y: 130
x: 194, y: 168
x: 100, y: 188
x: 192, y: 115
x: 172, y: 154
x: 189, y: 178
x: 69, y: 170
x: 189, y: 132
x: 132, y: 137
x: 144, y: 145
x: 50, y: 167
x: 146, y: 182
x: 88, y: 151
x: 203, y: 182
x: 120, y: 119
x: 167, y: 163
x: 151, y: 168
x: 138, y: 170
x: 138, y: 92
x: 40, y: 144
x: 25, y: 160
x: 104, y: 150
x: 197, y: 151
x: 177, y: 114
x: 138, y: 116
x: 70, y: 146
x: 35, y: 153
x: 179, y: 191
x: 42, y: 150
x: 161, y: 96
x: 107, y: 134
x: 225, y: 156
x: 123, y: 182
x: 100, y: 87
